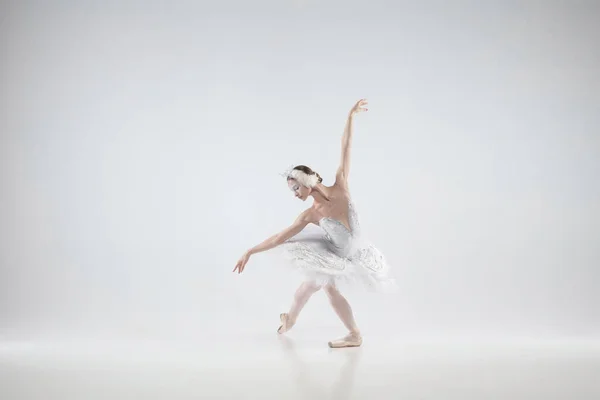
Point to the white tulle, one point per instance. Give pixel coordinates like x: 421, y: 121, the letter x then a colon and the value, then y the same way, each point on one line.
x: 340, y: 255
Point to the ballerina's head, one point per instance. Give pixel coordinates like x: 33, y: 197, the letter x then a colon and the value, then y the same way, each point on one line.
x: 301, y: 180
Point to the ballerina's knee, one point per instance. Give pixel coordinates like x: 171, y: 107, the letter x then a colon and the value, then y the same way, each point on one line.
x: 331, y: 290
x: 311, y: 286
x: 306, y: 290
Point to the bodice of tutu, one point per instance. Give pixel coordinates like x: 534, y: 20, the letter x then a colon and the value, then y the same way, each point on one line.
x: 342, y: 240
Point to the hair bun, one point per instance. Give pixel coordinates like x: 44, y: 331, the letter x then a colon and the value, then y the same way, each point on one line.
x: 308, y: 171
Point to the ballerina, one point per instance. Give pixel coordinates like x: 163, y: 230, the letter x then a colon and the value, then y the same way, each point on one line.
x: 339, y: 255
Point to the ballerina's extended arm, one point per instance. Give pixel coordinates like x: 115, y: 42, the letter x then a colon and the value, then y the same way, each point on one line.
x: 341, y: 176
x: 275, y: 240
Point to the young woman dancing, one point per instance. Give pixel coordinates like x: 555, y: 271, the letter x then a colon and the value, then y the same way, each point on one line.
x: 341, y: 253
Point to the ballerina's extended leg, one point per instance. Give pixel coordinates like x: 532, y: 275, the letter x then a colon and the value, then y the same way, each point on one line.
x: 303, y: 293
x: 344, y: 311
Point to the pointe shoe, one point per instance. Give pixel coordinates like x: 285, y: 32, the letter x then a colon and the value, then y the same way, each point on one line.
x: 286, y: 324
x: 350, y: 340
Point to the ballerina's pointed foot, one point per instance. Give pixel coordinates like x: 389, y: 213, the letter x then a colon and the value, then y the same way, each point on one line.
x: 286, y: 323
x: 350, y: 340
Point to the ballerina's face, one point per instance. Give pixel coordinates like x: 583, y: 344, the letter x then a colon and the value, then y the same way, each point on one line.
x: 299, y: 190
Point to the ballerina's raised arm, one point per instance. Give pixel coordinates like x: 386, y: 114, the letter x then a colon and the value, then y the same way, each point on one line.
x: 341, y: 176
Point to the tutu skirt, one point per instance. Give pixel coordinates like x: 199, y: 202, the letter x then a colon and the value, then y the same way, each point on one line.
x: 318, y: 259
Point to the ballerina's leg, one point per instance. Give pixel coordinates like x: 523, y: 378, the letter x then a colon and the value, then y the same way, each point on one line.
x: 344, y: 311
x: 301, y: 297
x: 342, y: 308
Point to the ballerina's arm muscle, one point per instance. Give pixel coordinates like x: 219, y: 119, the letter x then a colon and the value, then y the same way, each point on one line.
x: 279, y: 238
x: 343, y: 170
x: 341, y: 175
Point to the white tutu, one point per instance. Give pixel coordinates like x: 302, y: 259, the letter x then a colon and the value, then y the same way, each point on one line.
x: 339, y: 255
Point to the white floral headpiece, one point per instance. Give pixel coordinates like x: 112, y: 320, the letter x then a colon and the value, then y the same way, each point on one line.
x: 302, y: 177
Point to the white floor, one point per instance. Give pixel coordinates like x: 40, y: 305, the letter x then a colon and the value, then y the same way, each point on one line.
x: 268, y: 366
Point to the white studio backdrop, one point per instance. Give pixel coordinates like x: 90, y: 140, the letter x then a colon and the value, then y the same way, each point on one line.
x: 141, y: 149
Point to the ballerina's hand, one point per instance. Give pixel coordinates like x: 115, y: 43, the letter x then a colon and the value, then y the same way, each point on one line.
x: 241, y: 264
x: 360, y: 106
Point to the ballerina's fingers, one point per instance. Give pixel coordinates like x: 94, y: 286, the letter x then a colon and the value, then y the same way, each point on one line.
x: 238, y: 267
x: 361, y: 106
